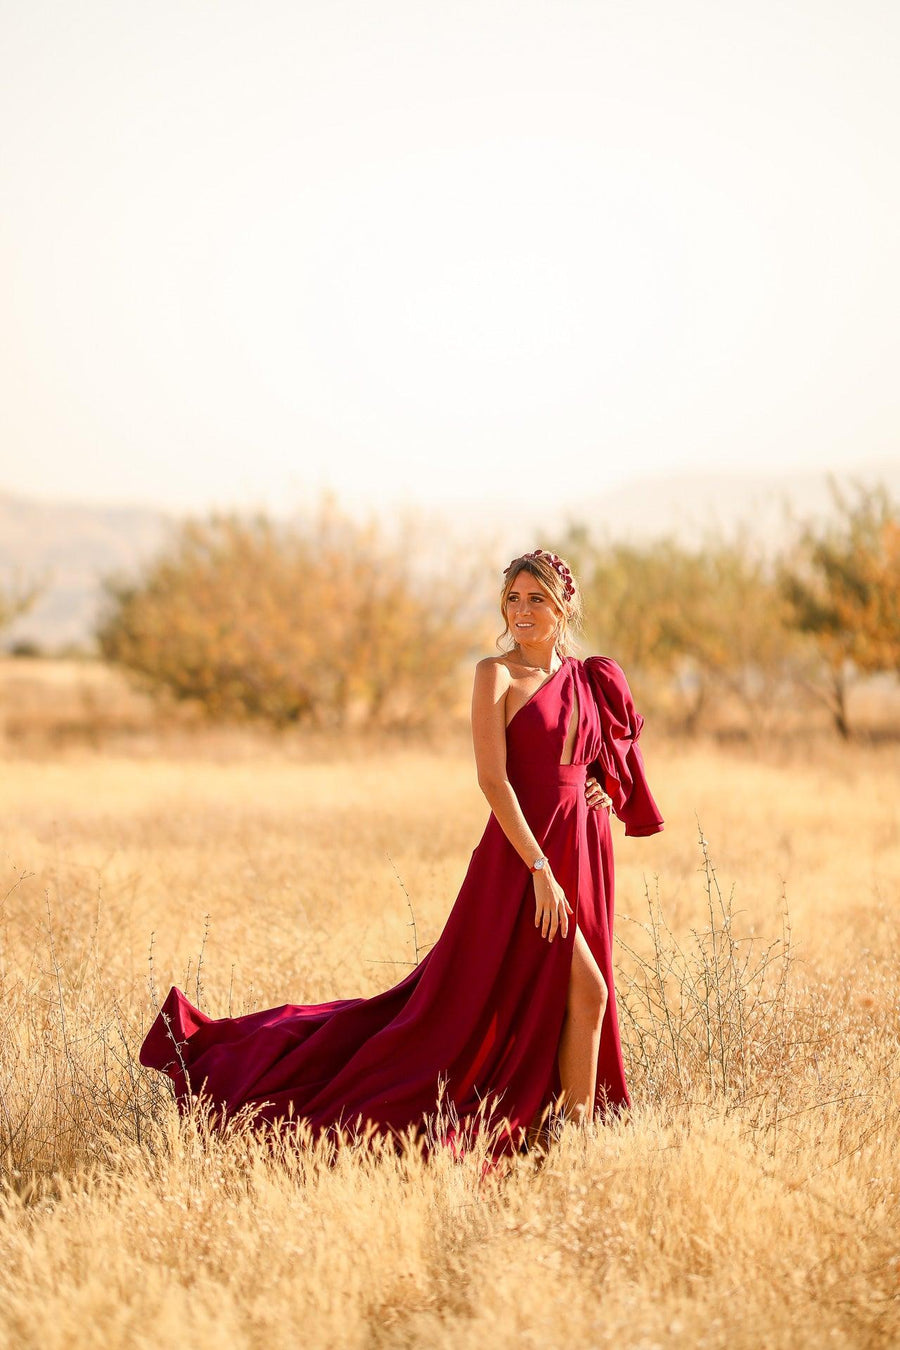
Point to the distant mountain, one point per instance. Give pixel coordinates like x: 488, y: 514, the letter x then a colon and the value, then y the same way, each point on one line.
x: 70, y: 547
x: 73, y: 545
x: 688, y: 505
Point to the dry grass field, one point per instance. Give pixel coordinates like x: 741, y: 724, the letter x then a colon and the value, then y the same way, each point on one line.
x: 750, y: 1200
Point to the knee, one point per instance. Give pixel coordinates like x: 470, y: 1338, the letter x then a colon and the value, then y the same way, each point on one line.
x: 588, y: 998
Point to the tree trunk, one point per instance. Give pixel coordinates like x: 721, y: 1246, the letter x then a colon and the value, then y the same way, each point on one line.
x: 692, y: 716
x: 839, y: 702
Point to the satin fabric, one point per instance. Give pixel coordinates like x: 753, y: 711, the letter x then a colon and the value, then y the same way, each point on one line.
x: 478, y: 1021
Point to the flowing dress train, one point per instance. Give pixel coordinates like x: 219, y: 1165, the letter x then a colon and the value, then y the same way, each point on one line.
x: 479, y: 1018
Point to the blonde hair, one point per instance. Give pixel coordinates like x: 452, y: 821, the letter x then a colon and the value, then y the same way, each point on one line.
x: 553, y: 580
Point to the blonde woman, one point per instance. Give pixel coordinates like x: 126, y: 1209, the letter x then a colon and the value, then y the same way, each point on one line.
x: 510, y: 1019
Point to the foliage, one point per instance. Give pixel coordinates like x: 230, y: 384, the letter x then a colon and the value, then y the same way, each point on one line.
x: 711, y: 617
x: 841, y: 581
x: 720, y: 621
x: 322, y: 623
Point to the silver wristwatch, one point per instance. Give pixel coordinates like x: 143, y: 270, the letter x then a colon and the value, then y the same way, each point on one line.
x: 539, y: 864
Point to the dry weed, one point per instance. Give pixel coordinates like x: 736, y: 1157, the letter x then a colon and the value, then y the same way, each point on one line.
x: 749, y: 1199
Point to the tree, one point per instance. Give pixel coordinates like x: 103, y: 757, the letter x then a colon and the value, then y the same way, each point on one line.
x: 709, y: 619
x: 841, y: 581
x: 320, y: 623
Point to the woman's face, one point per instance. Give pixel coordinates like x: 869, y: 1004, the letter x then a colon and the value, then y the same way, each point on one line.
x: 530, y: 612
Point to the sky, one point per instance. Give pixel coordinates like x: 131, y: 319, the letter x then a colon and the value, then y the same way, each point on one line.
x: 461, y: 254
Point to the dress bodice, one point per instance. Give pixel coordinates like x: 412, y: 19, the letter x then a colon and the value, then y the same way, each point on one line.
x: 605, y: 742
x: 537, y: 733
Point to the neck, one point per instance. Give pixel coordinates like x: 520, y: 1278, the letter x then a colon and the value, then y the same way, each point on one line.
x: 542, y: 654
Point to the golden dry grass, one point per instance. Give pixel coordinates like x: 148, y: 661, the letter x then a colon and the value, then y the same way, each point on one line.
x: 758, y: 1213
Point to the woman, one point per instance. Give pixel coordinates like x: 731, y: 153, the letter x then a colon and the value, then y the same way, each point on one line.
x: 511, y: 1014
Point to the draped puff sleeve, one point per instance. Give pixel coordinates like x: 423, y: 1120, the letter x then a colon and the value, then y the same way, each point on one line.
x: 620, y: 764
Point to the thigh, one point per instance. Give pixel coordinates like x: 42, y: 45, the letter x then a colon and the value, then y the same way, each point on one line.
x: 587, y: 986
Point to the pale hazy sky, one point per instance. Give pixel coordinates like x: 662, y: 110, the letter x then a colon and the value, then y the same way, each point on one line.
x: 445, y: 249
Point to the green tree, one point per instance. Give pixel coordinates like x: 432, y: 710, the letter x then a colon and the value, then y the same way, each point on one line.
x: 841, y: 582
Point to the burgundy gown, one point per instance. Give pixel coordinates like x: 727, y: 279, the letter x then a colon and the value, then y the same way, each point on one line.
x: 483, y: 1010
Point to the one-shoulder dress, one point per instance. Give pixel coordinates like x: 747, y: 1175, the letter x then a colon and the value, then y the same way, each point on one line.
x: 477, y: 1022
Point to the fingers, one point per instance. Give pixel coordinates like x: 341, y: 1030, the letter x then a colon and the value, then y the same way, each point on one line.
x: 542, y: 919
x: 547, y: 920
x: 554, y: 919
x: 564, y: 915
x: 551, y: 912
x: 596, y: 797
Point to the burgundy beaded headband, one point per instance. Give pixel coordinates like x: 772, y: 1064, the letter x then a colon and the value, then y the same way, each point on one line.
x: 556, y: 563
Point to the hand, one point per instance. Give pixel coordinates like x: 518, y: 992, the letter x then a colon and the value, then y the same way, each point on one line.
x: 596, y: 797
x: 552, y: 909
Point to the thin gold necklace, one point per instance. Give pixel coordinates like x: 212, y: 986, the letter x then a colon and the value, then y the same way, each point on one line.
x: 540, y: 668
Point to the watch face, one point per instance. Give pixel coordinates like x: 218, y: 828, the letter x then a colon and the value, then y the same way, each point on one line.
x: 539, y: 864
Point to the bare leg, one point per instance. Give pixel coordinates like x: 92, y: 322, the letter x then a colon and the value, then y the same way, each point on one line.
x: 579, y: 1043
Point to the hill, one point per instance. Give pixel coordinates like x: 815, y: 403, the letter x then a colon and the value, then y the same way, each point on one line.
x: 70, y: 546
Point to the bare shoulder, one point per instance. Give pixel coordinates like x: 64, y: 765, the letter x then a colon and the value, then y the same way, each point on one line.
x: 493, y: 672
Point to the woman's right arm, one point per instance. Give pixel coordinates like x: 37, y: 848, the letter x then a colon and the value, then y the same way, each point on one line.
x: 492, y: 681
